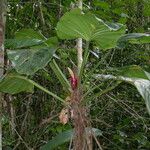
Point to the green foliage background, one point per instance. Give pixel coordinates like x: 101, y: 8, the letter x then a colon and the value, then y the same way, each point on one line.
x: 120, y: 114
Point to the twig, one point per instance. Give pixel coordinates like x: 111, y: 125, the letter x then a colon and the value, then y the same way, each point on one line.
x: 71, y: 141
x: 97, y: 142
x: 28, y: 148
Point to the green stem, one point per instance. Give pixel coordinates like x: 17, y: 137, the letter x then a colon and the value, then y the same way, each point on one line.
x: 61, y: 77
x: 47, y: 91
x: 41, y: 88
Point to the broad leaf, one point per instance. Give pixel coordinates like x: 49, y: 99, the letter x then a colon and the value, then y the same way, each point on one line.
x: 133, y: 71
x: 29, y: 34
x: 136, y: 38
x: 28, y: 61
x: 135, y: 76
x: 75, y: 24
x: 52, y: 42
x: 143, y: 86
x: 58, y: 140
x: 33, y: 52
x: 12, y: 84
x: 25, y: 38
x: 107, y: 34
x: 65, y: 136
x: 21, y: 43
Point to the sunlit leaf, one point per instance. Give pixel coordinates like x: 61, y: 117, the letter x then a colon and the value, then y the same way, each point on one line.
x: 75, y: 24
x: 29, y: 34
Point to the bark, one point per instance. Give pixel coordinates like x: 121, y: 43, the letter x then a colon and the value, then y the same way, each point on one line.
x: 2, y: 33
x: 82, y: 137
x: 82, y: 140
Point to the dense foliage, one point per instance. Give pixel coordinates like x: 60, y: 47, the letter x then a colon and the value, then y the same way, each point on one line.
x: 40, y: 45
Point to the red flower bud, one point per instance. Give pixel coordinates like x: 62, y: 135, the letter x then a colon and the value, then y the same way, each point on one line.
x: 73, y: 79
x: 74, y: 82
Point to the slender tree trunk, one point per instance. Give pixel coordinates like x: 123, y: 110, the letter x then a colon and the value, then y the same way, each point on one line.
x: 82, y: 140
x: 2, y: 33
x: 79, y: 44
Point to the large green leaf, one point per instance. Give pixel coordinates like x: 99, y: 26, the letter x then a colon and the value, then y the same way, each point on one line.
x: 25, y: 38
x: 12, y: 84
x: 136, y: 38
x: 52, y: 42
x: 75, y: 24
x: 65, y: 136
x: 132, y: 71
x: 21, y: 43
x: 29, y: 34
x: 58, y: 140
x: 143, y: 86
x: 28, y: 61
x: 107, y: 34
x: 32, y: 51
x: 135, y: 76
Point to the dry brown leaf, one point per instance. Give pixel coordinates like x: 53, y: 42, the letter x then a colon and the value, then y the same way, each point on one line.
x: 64, y: 116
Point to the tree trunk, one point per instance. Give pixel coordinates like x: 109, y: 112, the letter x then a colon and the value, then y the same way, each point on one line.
x: 79, y: 44
x: 2, y: 33
x: 82, y: 139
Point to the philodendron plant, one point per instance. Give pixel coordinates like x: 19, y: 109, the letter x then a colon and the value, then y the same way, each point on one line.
x: 30, y: 51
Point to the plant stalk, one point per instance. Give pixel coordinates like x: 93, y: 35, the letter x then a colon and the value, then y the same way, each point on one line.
x: 86, y: 55
x: 42, y: 88
x: 79, y: 44
x: 81, y: 140
x: 47, y: 91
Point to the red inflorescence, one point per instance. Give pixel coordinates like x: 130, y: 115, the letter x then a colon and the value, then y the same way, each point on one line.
x: 74, y: 82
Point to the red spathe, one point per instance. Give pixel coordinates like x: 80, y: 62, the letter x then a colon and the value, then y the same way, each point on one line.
x: 74, y: 82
